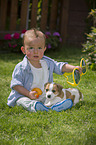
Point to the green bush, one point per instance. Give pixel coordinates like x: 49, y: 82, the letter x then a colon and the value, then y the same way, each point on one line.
x: 90, y: 46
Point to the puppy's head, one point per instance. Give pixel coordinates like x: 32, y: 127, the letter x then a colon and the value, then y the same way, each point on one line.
x: 52, y: 90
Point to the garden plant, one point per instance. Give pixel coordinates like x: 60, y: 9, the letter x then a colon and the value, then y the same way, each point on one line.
x: 90, y: 46
x: 14, y: 41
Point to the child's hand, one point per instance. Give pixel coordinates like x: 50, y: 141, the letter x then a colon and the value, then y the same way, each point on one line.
x: 80, y: 69
x: 31, y: 95
x: 69, y: 68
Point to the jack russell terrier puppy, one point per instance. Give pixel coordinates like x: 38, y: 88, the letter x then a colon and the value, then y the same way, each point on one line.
x: 56, y: 93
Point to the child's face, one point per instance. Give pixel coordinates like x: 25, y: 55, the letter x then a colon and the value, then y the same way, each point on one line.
x: 34, y: 48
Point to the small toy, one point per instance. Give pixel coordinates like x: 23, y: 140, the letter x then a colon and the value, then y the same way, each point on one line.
x: 76, y: 75
x: 39, y: 92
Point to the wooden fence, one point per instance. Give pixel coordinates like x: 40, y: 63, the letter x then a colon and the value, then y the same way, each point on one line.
x: 16, y: 15
x: 65, y: 16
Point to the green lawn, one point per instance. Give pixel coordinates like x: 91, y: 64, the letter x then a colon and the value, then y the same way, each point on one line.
x: 76, y: 126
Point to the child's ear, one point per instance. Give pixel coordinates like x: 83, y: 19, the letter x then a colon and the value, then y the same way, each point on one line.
x: 44, y: 48
x: 22, y: 49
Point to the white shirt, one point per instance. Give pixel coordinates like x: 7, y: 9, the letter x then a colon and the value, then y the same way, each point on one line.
x: 40, y: 77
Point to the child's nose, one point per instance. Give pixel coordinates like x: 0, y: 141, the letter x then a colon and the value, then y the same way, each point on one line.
x: 35, y: 51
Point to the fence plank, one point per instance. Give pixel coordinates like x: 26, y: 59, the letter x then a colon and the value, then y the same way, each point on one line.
x: 13, y: 14
x: 34, y: 13
x: 44, y: 15
x: 3, y: 14
x: 24, y: 10
x: 64, y: 19
x: 53, y: 16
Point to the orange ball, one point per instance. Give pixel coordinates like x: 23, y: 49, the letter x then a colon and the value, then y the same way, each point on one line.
x: 39, y: 92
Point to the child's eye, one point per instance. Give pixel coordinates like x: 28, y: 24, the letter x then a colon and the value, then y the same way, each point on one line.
x: 31, y: 48
x: 46, y: 90
x: 53, y: 91
x: 39, y: 48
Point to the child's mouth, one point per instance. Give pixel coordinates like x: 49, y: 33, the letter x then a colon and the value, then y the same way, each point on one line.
x: 35, y: 56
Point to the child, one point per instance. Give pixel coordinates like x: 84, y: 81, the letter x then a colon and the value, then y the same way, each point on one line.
x: 33, y: 72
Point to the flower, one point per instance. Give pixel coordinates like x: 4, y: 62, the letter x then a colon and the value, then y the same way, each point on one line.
x: 49, y: 46
x: 23, y: 31
x: 52, y: 40
x: 14, y: 41
x: 46, y: 36
x: 47, y: 33
x: 9, y: 44
x: 7, y: 37
x: 14, y: 45
x: 56, y: 34
x: 22, y: 35
x: 60, y: 39
x: 16, y: 36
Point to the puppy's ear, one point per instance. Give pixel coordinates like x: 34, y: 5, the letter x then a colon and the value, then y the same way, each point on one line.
x: 45, y: 85
x: 59, y: 87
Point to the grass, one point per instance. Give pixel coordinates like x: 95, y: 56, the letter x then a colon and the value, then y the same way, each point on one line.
x: 74, y: 126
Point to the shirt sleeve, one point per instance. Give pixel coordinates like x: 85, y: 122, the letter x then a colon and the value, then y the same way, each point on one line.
x: 17, y: 77
x: 54, y: 66
x: 58, y: 67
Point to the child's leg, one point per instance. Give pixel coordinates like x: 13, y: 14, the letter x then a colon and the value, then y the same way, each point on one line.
x: 64, y: 105
x: 31, y: 105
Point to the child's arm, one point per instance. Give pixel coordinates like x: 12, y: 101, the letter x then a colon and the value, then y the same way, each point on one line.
x: 25, y: 92
x: 69, y: 68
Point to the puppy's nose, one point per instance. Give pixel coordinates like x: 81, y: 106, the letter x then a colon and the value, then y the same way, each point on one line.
x: 49, y: 96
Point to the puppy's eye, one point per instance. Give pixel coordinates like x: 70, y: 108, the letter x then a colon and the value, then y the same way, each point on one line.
x: 46, y: 90
x: 53, y: 91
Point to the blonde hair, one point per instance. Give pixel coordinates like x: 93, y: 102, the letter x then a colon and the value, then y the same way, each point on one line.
x: 33, y: 33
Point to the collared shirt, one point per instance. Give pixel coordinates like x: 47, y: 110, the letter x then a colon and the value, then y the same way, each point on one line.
x: 22, y: 75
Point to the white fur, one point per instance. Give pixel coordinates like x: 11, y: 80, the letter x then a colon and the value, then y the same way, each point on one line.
x: 51, y: 86
x: 75, y: 92
x: 52, y: 101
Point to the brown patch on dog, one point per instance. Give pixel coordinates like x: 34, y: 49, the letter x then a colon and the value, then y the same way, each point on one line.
x: 69, y: 96
x: 72, y: 97
x: 61, y: 93
x: 47, y: 86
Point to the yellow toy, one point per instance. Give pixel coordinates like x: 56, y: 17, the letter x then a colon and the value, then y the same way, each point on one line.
x: 76, y: 75
x: 39, y: 92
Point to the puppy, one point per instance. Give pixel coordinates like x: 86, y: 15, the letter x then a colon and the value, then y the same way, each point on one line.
x: 56, y: 93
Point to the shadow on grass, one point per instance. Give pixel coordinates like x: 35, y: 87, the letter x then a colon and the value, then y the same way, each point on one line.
x: 7, y: 57
x: 85, y: 104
